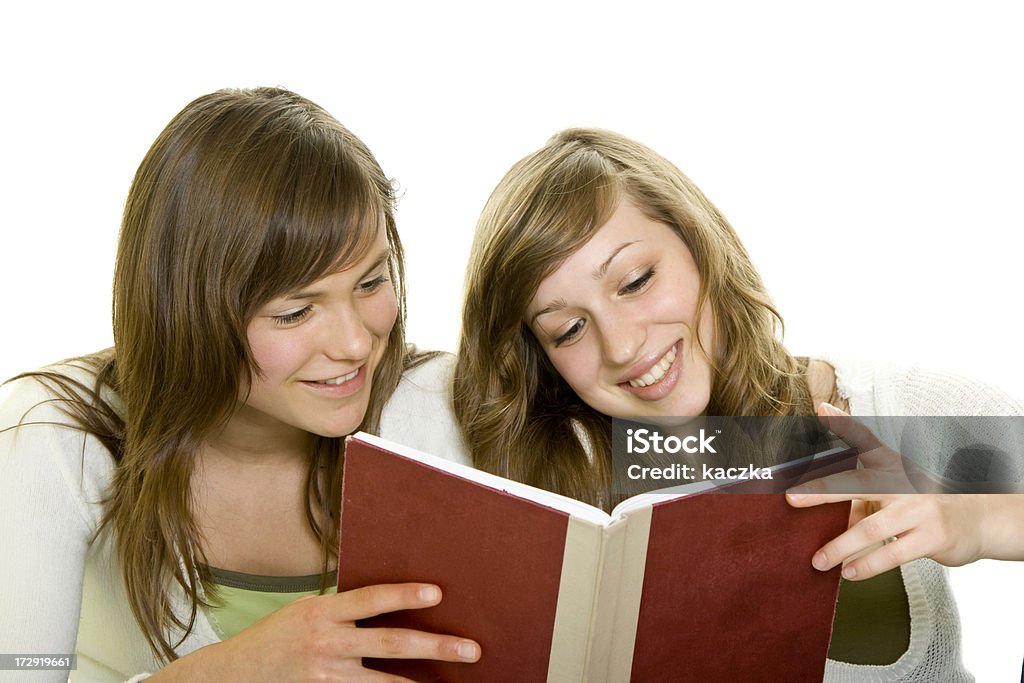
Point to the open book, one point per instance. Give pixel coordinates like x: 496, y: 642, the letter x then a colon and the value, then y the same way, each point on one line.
x: 694, y: 585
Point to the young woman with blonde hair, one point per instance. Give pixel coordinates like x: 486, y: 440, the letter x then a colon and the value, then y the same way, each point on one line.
x: 603, y: 282
x: 167, y: 501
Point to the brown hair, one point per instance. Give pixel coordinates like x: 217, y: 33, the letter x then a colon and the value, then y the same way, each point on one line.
x: 245, y: 195
x: 519, y: 417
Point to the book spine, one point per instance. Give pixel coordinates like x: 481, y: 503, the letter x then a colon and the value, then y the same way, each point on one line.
x: 574, y: 614
x: 634, y: 531
x: 603, y: 617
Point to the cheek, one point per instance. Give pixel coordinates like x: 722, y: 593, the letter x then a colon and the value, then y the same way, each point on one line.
x: 278, y: 355
x: 576, y: 365
x: 677, y: 297
x: 380, y: 313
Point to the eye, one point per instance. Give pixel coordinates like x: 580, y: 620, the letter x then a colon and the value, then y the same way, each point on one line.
x: 293, y: 316
x: 373, y: 284
x: 571, y: 333
x: 637, y: 284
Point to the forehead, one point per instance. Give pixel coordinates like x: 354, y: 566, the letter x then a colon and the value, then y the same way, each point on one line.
x: 627, y: 227
x: 627, y: 224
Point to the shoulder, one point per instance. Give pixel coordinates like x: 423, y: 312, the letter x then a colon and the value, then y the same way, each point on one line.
x: 419, y: 413
x: 45, y: 454
x: 821, y: 380
x: 37, y: 430
x: 433, y: 375
x: 904, y: 389
x: 35, y: 398
x: 957, y: 427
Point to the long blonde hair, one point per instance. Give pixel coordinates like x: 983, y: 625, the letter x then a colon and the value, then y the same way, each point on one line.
x: 519, y: 417
x: 245, y: 195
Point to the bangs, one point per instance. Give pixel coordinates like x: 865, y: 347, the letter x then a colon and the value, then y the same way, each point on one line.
x: 578, y: 195
x: 327, y: 215
x: 545, y: 208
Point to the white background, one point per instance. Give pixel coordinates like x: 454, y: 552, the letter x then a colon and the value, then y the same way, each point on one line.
x: 870, y: 157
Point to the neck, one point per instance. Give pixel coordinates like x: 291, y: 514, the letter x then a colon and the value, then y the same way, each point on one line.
x: 249, y: 440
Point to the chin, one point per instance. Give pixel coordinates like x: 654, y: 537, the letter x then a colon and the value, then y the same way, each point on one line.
x: 333, y: 431
x: 670, y: 421
x: 677, y: 415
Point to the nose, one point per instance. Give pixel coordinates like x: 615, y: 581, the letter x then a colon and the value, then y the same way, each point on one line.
x: 346, y: 337
x: 622, y: 339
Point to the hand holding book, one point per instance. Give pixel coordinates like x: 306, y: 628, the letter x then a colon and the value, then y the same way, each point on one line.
x: 898, y: 518
x: 318, y: 634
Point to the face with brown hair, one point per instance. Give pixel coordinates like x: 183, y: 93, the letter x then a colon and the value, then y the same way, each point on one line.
x: 618, y: 321
x: 318, y: 348
x: 252, y: 234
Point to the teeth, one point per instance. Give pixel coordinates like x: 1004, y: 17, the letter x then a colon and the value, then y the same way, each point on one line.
x: 655, y: 373
x: 340, y: 380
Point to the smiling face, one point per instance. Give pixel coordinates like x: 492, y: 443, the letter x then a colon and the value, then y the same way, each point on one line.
x: 618, y: 321
x: 318, y: 349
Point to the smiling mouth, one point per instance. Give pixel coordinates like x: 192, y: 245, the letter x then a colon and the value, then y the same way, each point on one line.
x: 657, y: 372
x: 338, y: 380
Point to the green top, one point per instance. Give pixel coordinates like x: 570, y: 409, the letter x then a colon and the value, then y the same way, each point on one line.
x: 240, y: 600
x: 872, y: 624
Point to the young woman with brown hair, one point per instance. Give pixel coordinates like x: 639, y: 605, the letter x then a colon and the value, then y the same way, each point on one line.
x: 168, y: 500
x: 603, y: 282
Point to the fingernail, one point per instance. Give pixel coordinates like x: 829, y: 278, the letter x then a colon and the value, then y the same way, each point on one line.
x: 849, y: 572
x: 820, y: 561
x: 468, y: 650
x: 796, y: 494
x: 429, y: 594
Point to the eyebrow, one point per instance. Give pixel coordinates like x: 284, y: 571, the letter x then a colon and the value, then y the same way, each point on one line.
x: 556, y: 305
x: 314, y: 294
x: 603, y: 268
x: 599, y: 272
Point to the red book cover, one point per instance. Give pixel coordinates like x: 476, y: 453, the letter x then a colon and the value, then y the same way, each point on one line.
x: 703, y: 587
x: 741, y: 605
x: 496, y: 557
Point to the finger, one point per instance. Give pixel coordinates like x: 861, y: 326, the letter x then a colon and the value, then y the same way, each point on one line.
x: 401, y: 643
x: 806, y: 500
x: 366, y: 676
x: 370, y: 601
x: 847, y: 428
x: 859, y: 510
x: 872, y: 530
x: 890, y: 555
x: 380, y: 677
